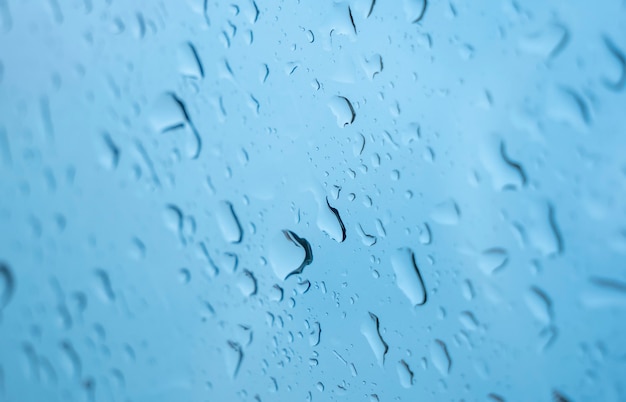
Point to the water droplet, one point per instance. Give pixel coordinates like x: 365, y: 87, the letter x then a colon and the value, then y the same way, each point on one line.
x: 329, y: 221
x: 110, y: 155
x: 342, y: 108
x: 367, y: 239
x: 604, y: 293
x: 617, y: 79
x: 545, y: 43
x: 189, y: 62
x: 468, y: 320
x: 228, y: 222
x: 7, y: 285
x: 371, y: 331
x: 276, y: 293
x: 408, y: 277
x: 544, y: 233
x: 505, y: 174
x: 567, y: 106
x: 440, y: 357
x: 247, y: 283
x: 169, y: 114
x: 446, y: 213
x: 539, y: 305
x: 105, y: 289
x: 415, y: 10
x: 315, y: 334
x: 289, y: 254
x: 492, y: 260
x: 405, y: 374
x: 233, y: 357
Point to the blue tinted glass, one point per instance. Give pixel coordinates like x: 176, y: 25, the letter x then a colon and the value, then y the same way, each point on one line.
x: 357, y: 200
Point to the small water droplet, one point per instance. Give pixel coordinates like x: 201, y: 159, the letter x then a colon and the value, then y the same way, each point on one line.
x: 492, y: 260
x: 7, y: 285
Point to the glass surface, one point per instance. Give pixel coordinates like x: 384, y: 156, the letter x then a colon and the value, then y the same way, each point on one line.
x: 364, y: 200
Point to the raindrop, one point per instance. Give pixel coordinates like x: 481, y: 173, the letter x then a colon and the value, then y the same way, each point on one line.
x: 289, y: 254
x: 492, y: 260
x: 229, y: 223
x: 342, y: 109
x: 371, y: 331
x: 440, y: 357
x: 7, y: 285
x: 405, y: 374
x: 408, y: 277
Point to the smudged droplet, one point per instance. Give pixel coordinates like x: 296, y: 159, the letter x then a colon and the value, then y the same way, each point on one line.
x: 233, y: 356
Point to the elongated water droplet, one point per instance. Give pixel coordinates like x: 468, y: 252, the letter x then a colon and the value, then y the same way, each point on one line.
x: 228, y: 222
x: 233, y: 356
x: 405, y: 374
x: 7, y: 285
x: 329, y: 221
x: 440, y: 357
x: 408, y: 277
x: 371, y: 331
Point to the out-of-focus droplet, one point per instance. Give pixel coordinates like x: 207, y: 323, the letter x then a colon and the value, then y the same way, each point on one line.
x: 440, y: 357
x: 7, y: 285
x: 408, y: 277
x: 492, y: 260
x: 228, y: 222
x: 604, y: 292
x: 539, y: 305
x: 505, y: 174
x: 405, y: 374
x: 233, y: 357
x: 247, y: 283
x: 371, y: 331
x: 547, y: 42
x: 415, y: 10
x: 189, y: 63
x: 289, y: 254
x: 446, y: 213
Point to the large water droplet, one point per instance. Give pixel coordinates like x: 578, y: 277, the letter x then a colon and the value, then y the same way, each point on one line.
x: 329, y: 221
x: 405, y: 374
x: 371, y: 331
x: 440, y: 357
x: 233, y: 356
x: 343, y: 110
x: 289, y: 254
x: 408, y: 277
x: 228, y: 222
